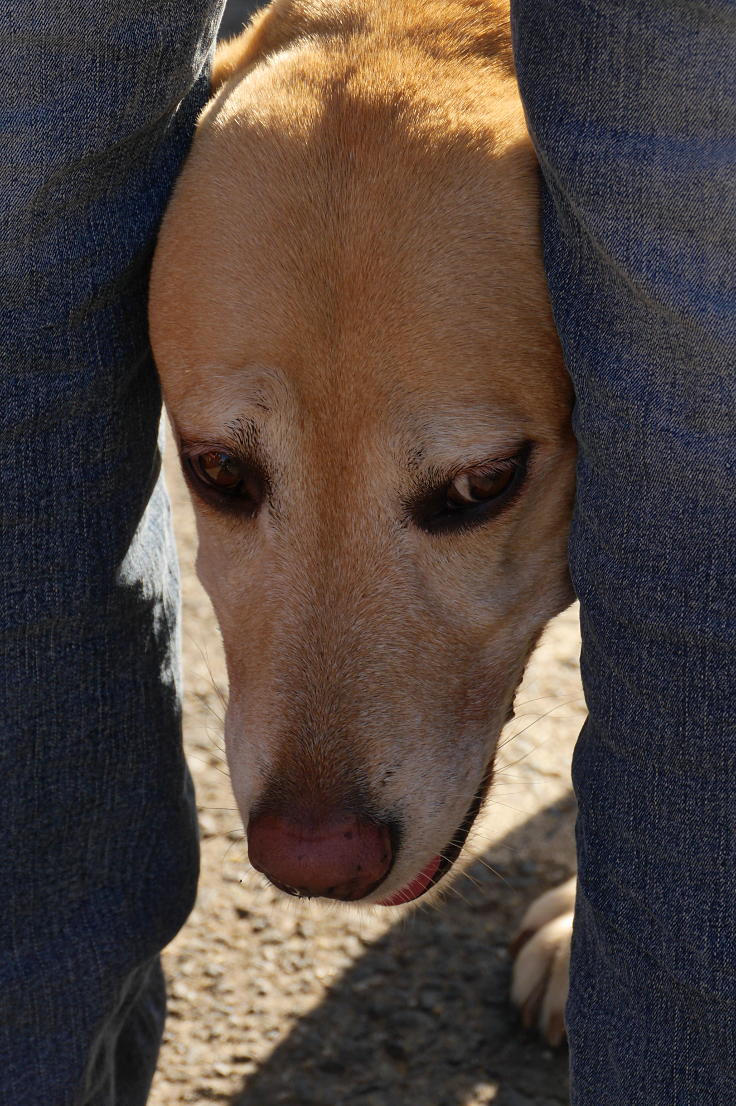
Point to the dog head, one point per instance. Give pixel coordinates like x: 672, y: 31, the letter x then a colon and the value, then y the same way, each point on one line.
x: 351, y: 324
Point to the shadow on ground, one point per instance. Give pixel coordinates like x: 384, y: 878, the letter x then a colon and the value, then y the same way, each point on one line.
x: 422, y: 1018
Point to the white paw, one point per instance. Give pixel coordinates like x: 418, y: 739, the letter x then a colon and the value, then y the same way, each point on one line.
x: 539, y: 981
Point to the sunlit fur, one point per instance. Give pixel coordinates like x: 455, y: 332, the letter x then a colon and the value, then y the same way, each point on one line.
x: 351, y: 264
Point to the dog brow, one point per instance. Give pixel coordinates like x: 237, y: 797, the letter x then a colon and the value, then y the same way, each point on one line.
x: 244, y: 433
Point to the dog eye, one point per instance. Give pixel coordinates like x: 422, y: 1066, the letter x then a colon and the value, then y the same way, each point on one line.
x: 472, y: 497
x: 220, y: 477
x: 477, y: 487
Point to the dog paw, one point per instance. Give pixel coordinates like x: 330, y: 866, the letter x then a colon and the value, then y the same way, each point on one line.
x: 541, y: 952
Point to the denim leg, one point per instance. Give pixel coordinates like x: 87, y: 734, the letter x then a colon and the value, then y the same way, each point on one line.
x: 632, y: 107
x: 98, y: 851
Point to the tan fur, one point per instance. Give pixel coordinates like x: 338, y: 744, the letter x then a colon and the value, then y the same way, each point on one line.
x: 351, y: 260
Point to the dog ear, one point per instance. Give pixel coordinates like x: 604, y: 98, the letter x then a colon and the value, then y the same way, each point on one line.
x: 277, y: 26
x: 268, y: 31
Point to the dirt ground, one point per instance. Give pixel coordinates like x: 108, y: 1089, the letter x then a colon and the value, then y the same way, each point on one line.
x: 274, y: 1001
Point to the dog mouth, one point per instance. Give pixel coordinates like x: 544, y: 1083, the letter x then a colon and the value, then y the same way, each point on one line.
x: 440, y: 865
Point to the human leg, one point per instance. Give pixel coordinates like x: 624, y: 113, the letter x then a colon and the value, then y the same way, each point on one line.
x: 98, y: 852
x: 633, y: 111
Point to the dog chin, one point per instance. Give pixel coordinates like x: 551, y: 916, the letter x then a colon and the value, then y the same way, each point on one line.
x: 440, y: 865
x: 416, y: 887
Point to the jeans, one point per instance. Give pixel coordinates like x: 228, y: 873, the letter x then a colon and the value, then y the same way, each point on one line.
x: 632, y: 108
x: 632, y: 111
x: 98, y: 852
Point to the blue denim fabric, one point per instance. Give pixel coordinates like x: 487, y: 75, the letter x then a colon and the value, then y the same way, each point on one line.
x: 98, y: 850
x: 632, y: 107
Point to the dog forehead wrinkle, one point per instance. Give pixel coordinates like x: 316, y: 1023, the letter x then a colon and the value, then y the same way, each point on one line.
x: 245, y: 431
x: 236, y: 406
x: 229, y: 391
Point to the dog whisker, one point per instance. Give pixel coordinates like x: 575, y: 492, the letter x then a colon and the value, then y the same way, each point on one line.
x: 215, y: 714
x: 537, y: 699
x: 494, y: 871
x: 471, y: 879
x: 216, y: 744
x: 528, y: 753
x: 482, y: 841
x: 546, y: 714
x: 516, y: 809
x: 209, y: 764
x: 215, y: 686
x: 231, y: 846
x: 521, y: 787
x: 453, y: 889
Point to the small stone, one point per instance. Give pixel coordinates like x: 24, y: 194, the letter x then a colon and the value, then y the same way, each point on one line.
x: 179, y: 990
x: 207, y: 825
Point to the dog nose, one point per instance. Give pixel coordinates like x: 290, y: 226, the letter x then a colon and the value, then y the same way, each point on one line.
x: 344, y: 856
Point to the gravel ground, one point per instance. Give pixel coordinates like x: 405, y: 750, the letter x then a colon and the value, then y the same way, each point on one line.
x: 274, y: 1001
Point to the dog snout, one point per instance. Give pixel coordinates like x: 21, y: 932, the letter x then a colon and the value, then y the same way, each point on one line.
x: 342, y: 856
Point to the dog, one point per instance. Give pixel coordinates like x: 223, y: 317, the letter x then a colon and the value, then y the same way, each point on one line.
x: 350, y: 321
